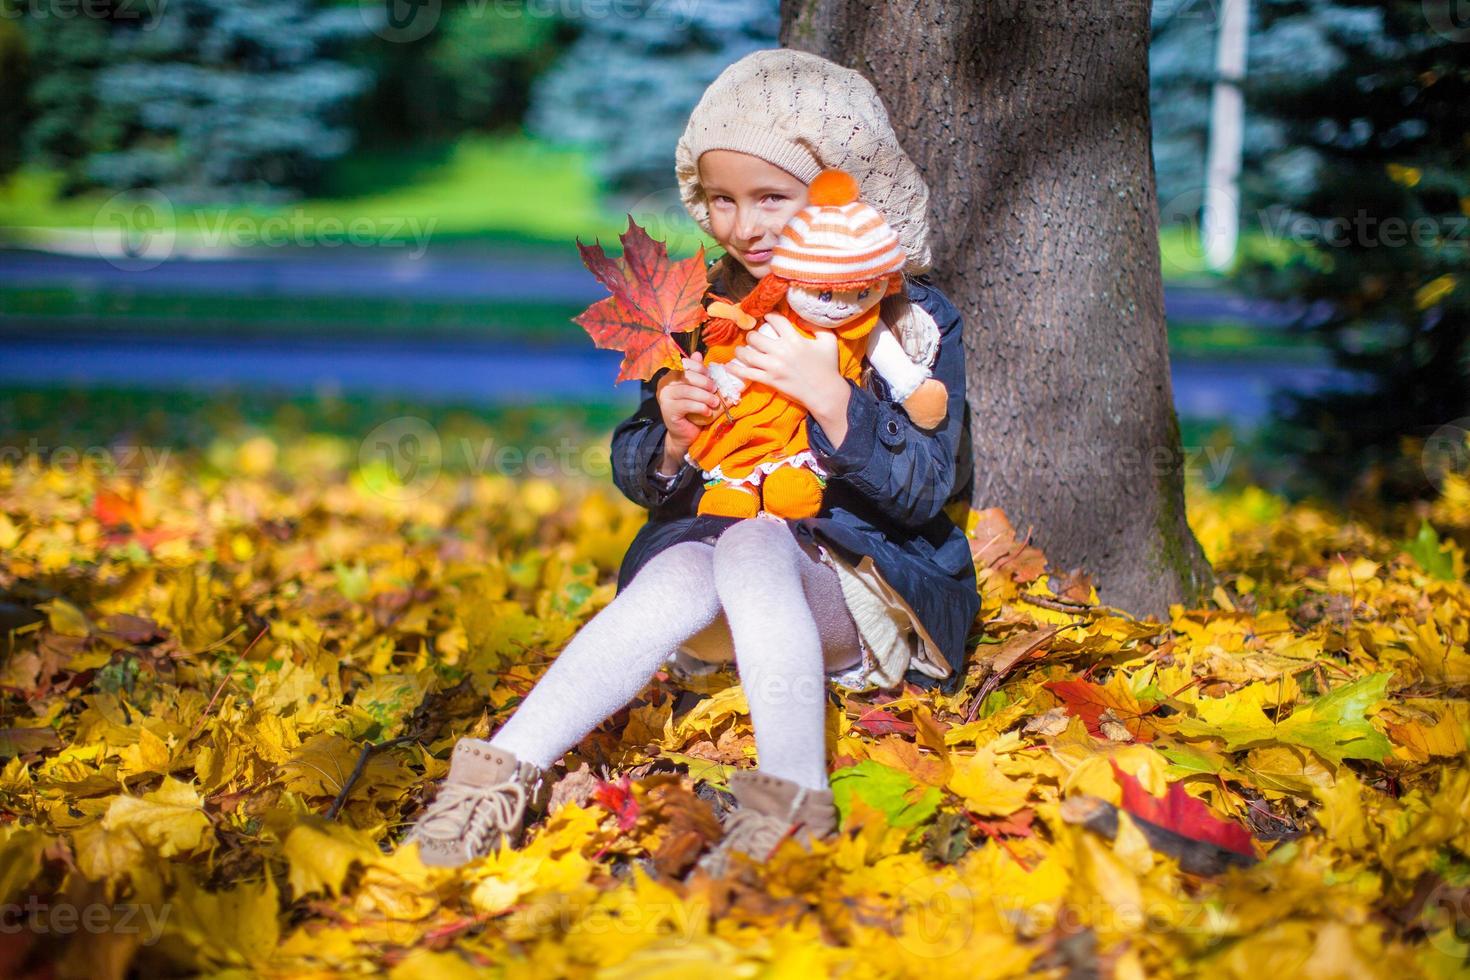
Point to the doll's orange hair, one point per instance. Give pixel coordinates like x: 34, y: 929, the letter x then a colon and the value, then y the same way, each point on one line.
x: 769, y: 292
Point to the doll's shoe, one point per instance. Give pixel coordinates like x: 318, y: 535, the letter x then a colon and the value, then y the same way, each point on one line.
x: 483, y: 802
x: 729, y: 501
x: 928, y: 405
x: 793, y: 492
x: 768, y: 809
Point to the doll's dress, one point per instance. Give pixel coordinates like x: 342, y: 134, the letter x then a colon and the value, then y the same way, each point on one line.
x: 766, y: 429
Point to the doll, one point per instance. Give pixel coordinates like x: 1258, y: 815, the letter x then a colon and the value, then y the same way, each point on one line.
x: 834, y: 263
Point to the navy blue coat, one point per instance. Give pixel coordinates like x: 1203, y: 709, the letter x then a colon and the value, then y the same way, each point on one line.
x: 885, y: 496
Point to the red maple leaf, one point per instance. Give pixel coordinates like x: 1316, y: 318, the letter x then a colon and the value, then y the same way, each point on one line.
x: 121, y: 515
x: 1181, y: 813
x: 618, y: 798
x: 1089, y: 701
x: 876, y: 721
x: 652, y: 299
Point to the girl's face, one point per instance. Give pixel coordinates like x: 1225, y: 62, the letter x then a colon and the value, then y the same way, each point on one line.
x: 824, y: 307
x: 750, y: 202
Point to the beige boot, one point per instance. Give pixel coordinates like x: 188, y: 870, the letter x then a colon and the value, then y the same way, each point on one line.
x: 483, y: 800
x: 768, y: 809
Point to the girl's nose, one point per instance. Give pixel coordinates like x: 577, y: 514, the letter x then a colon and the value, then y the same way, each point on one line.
x: 747, y: 225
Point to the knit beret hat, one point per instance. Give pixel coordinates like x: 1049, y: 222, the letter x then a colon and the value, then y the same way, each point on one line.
x: 804, y: 114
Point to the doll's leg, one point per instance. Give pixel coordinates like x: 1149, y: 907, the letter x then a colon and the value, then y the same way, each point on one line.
x: 778, y: 646
x: 793, y: 492
x: 615, y: 654
x: 725, y: 499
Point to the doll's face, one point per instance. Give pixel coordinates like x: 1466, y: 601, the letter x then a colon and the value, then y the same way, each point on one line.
x: 750, y: 202
x: 824, y: 307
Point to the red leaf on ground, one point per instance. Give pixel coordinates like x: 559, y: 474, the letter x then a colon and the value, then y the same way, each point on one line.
x: 876, y: 721
x: 617, y: 798
x: 1183, y: 814
x: 1017, y: 824
x: 994, y: 545
x: 1088, y: 701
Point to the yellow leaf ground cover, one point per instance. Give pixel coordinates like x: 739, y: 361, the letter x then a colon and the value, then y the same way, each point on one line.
x: 195, y: 670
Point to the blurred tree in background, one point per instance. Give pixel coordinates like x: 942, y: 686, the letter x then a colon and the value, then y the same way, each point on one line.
x: 474, y: 71
x: 230, y: 101
x: 1382, y: 225
x: 62, y: 120
x: 1182, y: 71
x: 206, y: 100
x: 14, y: 78
x: 628, y: 83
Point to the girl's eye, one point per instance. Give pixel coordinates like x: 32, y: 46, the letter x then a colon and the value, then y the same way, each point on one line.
x: 775, y: 197
x: 721, y: 199
x: 825, y: 296
x: 863, y: 295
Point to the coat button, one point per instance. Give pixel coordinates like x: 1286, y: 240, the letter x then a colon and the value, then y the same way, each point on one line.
x: 891, y: 433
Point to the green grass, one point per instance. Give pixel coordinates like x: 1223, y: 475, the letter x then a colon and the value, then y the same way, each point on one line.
x: 60, y: 308
x: 510, y: 191
x: 1182, y: 258
x: 1239, y: 340
x: 57, y: 308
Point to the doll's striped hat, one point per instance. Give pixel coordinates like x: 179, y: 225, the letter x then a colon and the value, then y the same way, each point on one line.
x: 837, y: 238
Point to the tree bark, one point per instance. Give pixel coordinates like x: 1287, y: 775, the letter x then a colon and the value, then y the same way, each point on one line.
x: 1030, y: 121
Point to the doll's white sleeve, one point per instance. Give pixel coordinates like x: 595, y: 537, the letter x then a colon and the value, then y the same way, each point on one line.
x: 886, y: 354
x: 728, y: 385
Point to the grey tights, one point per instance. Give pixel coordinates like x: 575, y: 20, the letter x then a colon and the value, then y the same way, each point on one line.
x: 754, y: 595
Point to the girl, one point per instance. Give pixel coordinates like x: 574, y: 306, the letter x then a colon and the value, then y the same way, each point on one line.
x: 878, y: 586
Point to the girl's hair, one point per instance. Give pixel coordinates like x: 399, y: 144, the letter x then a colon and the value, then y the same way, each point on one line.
x: 770, y: 290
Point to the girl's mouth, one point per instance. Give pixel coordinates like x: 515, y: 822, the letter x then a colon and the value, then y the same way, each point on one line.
x: 764, y: 255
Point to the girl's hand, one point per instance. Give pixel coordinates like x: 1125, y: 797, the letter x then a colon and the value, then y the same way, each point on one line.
x: 682, y: 394
x: 802, y: 368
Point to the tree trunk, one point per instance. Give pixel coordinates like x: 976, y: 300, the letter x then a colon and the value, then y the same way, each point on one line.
x: 1030, y: 121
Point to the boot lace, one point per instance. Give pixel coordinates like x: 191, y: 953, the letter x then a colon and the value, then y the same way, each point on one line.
x: 473, y: 814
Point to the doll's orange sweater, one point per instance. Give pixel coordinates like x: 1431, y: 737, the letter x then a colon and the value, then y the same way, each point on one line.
x: 767, y: 425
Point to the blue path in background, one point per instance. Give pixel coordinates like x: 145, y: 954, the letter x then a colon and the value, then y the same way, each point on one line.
x: 475, y: 372
x: 489, y: 374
